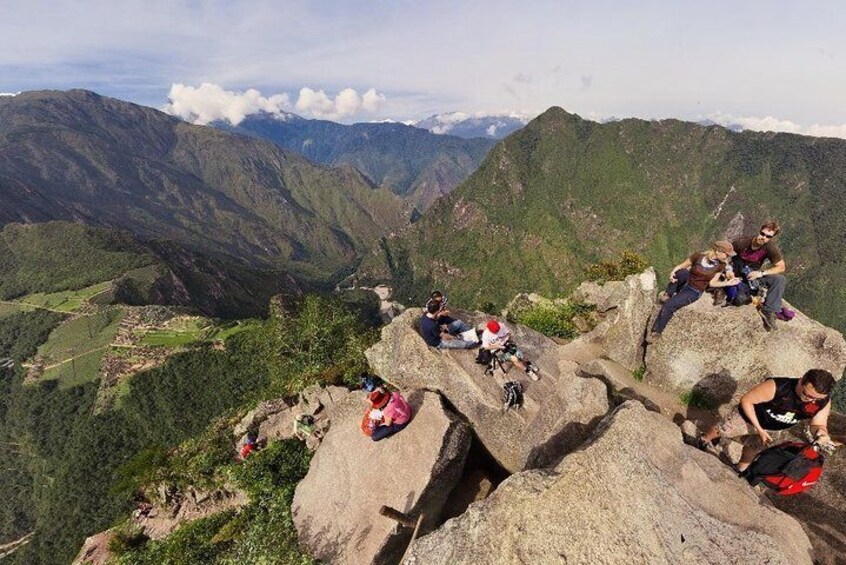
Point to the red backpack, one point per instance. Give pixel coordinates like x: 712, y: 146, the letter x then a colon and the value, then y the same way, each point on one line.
x: 787, y: 468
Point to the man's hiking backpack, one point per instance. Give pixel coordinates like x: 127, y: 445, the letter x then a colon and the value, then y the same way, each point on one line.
x: 484, y: 356
x: 513, y: 394
x: 787, y: 468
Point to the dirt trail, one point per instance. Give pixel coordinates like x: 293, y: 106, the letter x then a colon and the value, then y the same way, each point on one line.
x: 9, y: 548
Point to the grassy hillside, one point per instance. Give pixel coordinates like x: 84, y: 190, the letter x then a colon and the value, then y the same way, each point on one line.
x: 61, y: 256
x: 564, y: 193
x: 82, y: 157
x: 61, y: 266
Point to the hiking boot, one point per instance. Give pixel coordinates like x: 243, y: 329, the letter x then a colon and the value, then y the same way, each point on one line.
x: 769, y: 318
x: 663, y: 297
x: 706, y: 446
x: 532, y: 371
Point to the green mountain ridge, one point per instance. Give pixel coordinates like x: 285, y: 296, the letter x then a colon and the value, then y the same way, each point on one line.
x: 564, y: 193
x: 414, y: 163
x: 82, y: 157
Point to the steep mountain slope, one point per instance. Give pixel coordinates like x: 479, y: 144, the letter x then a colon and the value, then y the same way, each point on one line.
x: 79, y: 156
x: 565, y: 192
x: 409, y: 161
x: 60, y: 256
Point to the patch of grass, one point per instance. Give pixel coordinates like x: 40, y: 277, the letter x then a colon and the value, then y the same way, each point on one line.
x: 169, y: 338
x: 639, y: 373
x: 698, y: 399
x: 66, y: 300
x: 629, y: 263
x: 81, y: 369
x: 74, y: 350
x: 553, y: 320
x: 184, y: 331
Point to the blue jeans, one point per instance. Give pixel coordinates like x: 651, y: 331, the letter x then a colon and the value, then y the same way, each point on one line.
x: 381, y: 432
x: 681, y: 295
x: 457, y: 327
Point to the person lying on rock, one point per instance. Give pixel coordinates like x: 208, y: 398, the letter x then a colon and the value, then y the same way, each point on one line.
x: 441, y: 330
x: 752, y: 253
x: 388, y: 413
x: 496, y: 338
x: 775, y: 405
x: 689, y: 279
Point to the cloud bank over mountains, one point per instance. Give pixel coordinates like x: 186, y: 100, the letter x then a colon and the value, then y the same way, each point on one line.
x: 770, y: 123
x: 210, y: 102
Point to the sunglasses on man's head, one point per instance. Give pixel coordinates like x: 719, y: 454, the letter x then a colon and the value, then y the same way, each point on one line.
x: 765, y: 234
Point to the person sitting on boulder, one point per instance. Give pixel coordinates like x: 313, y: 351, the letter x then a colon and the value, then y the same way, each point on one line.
x: 688, y: 280
x: 441, y: 330
x: 752, y: 253
x: 249, y: 446
x: 388, y: 412
x: 437, y: 297
x: 774, y: 405
x: 497, y: 339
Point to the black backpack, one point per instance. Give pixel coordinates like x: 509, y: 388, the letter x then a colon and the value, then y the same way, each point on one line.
x: 513, y: 394
x: 484, y: 356
x: 787, y: 468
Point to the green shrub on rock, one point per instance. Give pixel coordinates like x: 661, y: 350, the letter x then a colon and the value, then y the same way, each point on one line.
x: 554, y: 319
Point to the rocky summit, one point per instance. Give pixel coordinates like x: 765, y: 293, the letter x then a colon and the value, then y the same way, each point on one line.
x: 723, y: 352
x: 559, y: 410
x: 336, y: 507
x: 624, y: 308
x: 635, y: 494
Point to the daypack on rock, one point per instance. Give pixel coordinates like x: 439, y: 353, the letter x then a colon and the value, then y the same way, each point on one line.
x: 484, y: 356
x: 787, y: 468
x: 513, y: 394
x: 368, y: 424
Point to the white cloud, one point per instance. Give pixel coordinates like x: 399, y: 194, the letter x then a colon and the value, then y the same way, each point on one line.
x: 346, y: 103
x: 770, y: 123
x: 371, y: 101
x: 210, y: 102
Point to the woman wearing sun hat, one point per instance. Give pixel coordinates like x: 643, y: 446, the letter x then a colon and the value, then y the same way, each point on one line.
x: 690, y: 279
x: 389, y: 413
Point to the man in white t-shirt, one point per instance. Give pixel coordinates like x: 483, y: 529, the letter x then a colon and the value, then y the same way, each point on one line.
x: 497, y: 338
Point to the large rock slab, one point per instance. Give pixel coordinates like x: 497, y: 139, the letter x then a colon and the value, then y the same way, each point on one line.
x: 559, y: 411
x: 336, y: 506
x: 723, y: 352
x: 623, y: 308
x: 637, y: 494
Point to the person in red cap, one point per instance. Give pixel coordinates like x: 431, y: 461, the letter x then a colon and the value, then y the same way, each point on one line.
x: 497, y: 339
x: 389, y: 413
x: 688, y: 280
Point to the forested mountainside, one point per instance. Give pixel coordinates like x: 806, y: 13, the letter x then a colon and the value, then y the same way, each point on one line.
x: 114, y: 351
x: 79, y: 156
x: 414, y: 163
x: 564, y: 193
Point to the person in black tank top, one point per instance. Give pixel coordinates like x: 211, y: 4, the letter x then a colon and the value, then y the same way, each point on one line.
x: 776, y: 404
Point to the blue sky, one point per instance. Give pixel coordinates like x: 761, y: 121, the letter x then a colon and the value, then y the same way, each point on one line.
x: 776, y: 65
